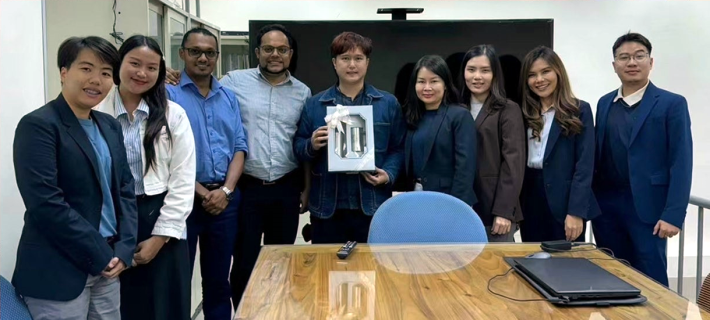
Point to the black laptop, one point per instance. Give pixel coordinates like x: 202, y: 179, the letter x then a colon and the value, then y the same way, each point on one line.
x: 575, y: 281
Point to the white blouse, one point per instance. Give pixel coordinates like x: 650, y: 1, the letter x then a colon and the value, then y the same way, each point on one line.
x: 536, y: 148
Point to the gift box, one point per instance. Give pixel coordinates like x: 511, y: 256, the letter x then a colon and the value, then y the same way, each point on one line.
x: 351, y: 139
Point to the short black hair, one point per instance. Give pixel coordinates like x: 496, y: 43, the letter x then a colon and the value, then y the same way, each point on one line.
x: 202, y: 31
x: 71, y: 47
x: 631, y: 37
x: 274, y: 27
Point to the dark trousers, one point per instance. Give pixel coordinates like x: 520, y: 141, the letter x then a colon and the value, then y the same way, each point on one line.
x: 159, y: 290
x: 539, y: 224
x: 345, y: 225
x: 620, y: 229
x: 268, y: 208
x: 217, y: 235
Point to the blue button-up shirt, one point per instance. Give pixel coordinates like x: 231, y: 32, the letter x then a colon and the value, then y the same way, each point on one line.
x: 216, y: 124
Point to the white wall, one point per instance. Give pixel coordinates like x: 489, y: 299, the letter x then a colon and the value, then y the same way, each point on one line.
x: 21, y: 91
x: 80, y: 18
x: 584, y: 33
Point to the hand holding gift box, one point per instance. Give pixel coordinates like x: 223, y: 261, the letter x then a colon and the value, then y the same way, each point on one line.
x: 351, y: 141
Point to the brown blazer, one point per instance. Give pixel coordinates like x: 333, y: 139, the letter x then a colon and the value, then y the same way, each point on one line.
x: 501, y: 160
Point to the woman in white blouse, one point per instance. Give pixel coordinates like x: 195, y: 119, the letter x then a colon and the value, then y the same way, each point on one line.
x: 557, y: 196
x: 161, y: 154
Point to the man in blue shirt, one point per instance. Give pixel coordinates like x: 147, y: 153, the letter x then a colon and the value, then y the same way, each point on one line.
x: 220, y: 148
x: 342, y: 204
x: 644, y: 162
x: 71, y: 169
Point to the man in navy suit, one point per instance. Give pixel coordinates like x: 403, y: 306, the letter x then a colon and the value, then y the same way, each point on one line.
x: 644, y: 162
x: 71, y: 169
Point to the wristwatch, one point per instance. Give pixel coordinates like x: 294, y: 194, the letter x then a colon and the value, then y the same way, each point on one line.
x: 227, y: 192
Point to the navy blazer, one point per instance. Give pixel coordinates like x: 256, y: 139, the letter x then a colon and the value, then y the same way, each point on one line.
x: 568, y: 168
x: 660, y: 155
x: 57, y: 174
x: 450, y: 165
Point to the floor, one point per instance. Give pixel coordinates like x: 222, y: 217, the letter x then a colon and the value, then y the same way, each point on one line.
x: 305, y: 219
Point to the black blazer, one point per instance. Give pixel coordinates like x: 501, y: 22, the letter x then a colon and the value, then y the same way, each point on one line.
x: 57, y: 174
x: 450, y: 166
x: 567, y: 169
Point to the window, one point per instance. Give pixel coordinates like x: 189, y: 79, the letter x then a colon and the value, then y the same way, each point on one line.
x: 235, y: 53
x: 176, y: 30
x: 155, y: 27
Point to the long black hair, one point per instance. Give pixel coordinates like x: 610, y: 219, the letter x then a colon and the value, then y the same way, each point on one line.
x: 155, y: 97
x: 496, y: 98
x: 414, y: 108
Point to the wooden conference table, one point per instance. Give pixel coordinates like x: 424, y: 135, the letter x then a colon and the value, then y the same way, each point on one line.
x: 426, y: 282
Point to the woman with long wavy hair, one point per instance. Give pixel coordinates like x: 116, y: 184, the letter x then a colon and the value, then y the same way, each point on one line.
x: 161, y: 154
x: 501, y: 143
x: 557, y: 196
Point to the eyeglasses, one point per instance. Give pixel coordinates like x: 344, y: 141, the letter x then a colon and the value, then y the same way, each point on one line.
x: 639, y: 57
x: 196, y: 53
x: 281, y: 50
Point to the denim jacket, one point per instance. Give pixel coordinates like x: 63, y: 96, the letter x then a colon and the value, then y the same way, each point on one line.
x: 390, y: 130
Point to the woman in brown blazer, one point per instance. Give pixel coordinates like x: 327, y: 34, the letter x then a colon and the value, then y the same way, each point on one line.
x: 501, y: 143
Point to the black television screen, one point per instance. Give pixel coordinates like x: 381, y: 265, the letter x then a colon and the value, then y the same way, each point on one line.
x: 397, y: 45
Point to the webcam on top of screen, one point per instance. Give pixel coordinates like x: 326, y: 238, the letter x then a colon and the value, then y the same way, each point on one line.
x: 399, y: 13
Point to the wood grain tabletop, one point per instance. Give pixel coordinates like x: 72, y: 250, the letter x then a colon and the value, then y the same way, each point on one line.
x: 428, y: 282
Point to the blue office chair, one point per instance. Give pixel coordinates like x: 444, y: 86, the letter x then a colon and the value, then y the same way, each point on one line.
x: 426, y: 217
x: 11, y: 306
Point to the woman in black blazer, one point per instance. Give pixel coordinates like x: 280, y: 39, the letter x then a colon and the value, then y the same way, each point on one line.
x: 557, y: 195
x: 440, y: 151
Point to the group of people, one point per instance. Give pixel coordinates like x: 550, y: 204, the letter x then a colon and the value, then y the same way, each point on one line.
x: 133, y: 164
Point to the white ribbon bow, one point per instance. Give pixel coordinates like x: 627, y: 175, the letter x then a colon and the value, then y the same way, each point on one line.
x: 337, y: 118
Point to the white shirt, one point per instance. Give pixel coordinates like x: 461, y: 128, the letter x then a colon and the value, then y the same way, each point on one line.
x: 633, y: 98
x: 475, y: 108
x: 174, y: 171
x: 536, y: 148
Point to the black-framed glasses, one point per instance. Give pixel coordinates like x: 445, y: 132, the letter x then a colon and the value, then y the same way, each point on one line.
x: 281, y: 50
x: 196, y: 53
x: 638, y: 56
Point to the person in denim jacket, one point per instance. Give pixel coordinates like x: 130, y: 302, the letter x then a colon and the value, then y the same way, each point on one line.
x: 341, y: 204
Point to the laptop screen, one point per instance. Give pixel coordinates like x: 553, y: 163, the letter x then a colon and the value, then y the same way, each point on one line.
x: 575, y: 276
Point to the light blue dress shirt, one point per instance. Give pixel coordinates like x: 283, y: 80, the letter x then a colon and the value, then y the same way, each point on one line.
x: 270, y: 114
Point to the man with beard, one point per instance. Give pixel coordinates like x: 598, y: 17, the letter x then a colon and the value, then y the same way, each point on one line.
x: 271, y: 101
x: 272, y: 186
x: 220, y: 148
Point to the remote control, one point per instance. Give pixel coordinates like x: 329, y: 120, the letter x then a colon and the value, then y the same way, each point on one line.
x: 346, y: 249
